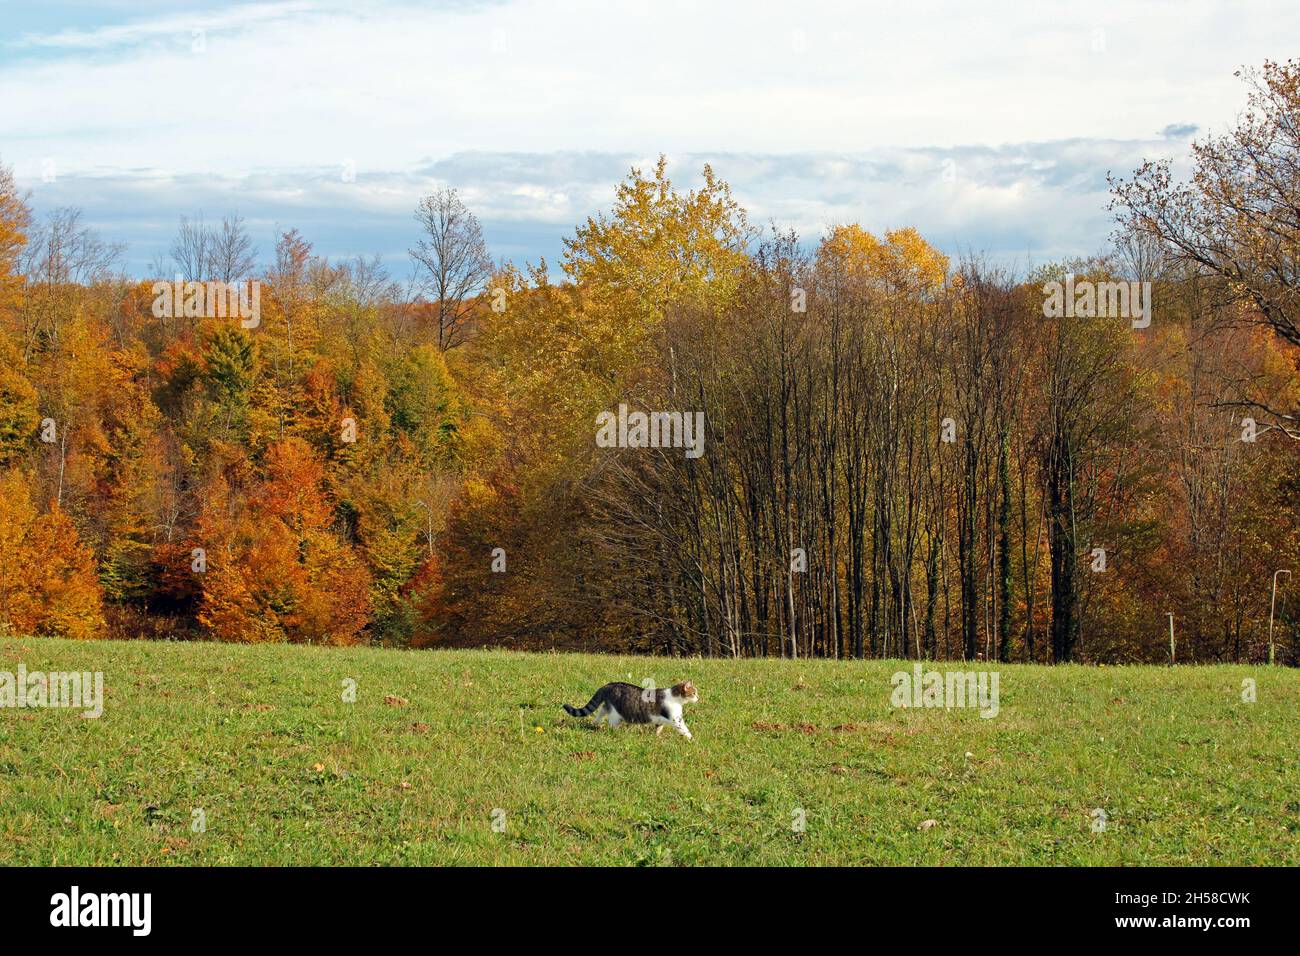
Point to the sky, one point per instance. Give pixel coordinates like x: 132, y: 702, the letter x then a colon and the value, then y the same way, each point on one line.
x: 990, y: 127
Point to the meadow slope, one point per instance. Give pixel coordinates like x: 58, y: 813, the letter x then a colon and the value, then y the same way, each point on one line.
x: 287, y: 772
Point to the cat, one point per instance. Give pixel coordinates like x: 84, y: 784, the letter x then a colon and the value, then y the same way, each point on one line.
x: 619, y: 702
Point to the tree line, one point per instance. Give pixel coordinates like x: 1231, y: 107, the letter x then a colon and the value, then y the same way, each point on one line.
x: 903, y: 455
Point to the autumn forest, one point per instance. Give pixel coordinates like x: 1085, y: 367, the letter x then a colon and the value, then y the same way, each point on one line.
x: 902, y: 455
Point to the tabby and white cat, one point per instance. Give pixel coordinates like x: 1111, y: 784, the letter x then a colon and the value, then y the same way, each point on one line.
x: 619, y: 702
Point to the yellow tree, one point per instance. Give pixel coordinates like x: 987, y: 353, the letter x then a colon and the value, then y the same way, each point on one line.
x: 15, y: 218
x: 47, y: 577
x: 659, y: 247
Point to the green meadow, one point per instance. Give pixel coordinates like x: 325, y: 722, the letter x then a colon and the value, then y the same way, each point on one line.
x: 210, y: 754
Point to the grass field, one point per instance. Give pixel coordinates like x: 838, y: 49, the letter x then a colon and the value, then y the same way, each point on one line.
x: 287, y: 772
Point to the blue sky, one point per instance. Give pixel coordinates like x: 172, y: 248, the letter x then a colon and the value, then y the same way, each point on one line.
x: 989, y: 127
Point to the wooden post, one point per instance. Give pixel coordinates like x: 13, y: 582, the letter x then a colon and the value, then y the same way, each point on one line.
x: 1271, y: 608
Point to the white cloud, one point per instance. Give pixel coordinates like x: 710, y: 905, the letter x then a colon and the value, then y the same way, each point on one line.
x: 164, y: 27
x: 536, y: 108
x: 1030, y: 201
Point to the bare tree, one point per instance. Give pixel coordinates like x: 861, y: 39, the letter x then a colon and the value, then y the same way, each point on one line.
x: 455, y: 262
x: 63, y: 251
x: 191, y: 249
x: 232, y: 255
x: 1238, y: 218
x: 200, y: 253
x: 62, y: 260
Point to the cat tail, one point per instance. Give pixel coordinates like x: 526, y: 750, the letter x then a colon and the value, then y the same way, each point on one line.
x: 596, y: 700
